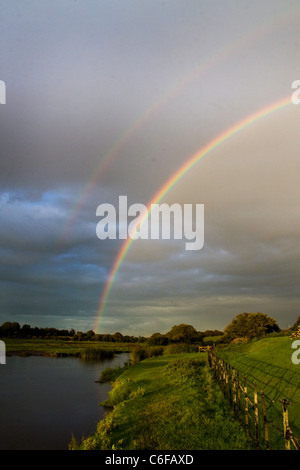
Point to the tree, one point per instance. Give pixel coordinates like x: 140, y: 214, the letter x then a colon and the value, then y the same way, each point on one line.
x: 183, y: 334
x: 296, y: 325
x: 79, y: 336
x: 157, y: 339
x: 89, y: 335
x: 250, y: 325
x: 296, y: 329
x: 117, y: 337
x: 9, y: 329
x: 212, y: 333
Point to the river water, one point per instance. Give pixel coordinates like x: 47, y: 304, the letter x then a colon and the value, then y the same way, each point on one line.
x: 44, y: 400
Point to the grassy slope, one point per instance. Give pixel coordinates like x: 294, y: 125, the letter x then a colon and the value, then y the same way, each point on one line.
x: 268, y: 363
x: 168, y: 403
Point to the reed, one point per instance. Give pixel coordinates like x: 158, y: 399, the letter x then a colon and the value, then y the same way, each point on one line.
x: 96, y: 354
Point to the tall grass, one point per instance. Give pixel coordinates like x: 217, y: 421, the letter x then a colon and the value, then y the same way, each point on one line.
x: 110, y: 374
x: 95, y: 354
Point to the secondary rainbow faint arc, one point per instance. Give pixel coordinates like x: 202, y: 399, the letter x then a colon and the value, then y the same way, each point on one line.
x: 136, y: 125
x: 193, y: 160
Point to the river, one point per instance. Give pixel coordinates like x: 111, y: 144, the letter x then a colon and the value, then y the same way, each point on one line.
x: 44, y: 400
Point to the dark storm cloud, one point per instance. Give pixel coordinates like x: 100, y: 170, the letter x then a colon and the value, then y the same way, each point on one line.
x: 140, y: 87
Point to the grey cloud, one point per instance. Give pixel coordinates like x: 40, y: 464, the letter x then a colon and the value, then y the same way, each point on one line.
x: 106, y: 99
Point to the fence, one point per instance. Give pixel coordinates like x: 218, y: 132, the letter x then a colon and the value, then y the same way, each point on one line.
x: 252, y: 412
x: 204, y: 348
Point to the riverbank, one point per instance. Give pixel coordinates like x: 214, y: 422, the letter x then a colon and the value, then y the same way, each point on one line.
x: 61, y: 348
x: 166, y: 403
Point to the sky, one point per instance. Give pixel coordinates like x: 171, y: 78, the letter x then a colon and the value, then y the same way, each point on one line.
x: 112, y: 97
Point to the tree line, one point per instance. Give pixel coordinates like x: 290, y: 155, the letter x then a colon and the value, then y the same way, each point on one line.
x: 178, y: 333
x: 244, y: 326
x: 14, y: 330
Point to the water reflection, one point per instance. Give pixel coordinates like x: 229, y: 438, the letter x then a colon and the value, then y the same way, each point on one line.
x: 44, y: 400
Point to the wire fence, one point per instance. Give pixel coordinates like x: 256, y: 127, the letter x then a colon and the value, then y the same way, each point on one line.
x: 265, y: 423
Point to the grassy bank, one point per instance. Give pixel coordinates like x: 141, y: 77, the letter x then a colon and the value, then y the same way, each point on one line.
x: 59, y: 348
x: 167, y: 403
x: 267, y: 362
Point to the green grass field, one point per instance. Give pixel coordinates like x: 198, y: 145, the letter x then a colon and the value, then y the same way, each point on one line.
x: 268, y: 363
x: 167, y: 403
x: 56, y: 347
x: 173, y: 401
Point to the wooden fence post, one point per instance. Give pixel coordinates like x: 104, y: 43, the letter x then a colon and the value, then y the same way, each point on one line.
x: 220, y: 372
x: 239, y: 397
x: 229, y: 382
x: 265, y: 421
x: 224, y: 378
x: 246, y: 408
x: 256, y: 417
x: 234, y: 389
x: 226, y: 381
x: 287, y: 442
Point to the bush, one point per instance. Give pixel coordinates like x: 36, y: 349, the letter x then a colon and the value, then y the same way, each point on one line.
x: 139, y: 353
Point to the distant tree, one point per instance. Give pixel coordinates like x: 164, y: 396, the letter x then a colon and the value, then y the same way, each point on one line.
x: 250, y: 325
x: 25, y: 331
x: 10, y: 329
x: 62, y: 333
x: 183, y: 334
x: 213, y: 333
x: 117, y: 337
x: 157, y: 339
x: 107, y: 337
x: 79, y: 336
x: 90, y: 335
x: 128, y: 339
x: 296, y: 325
x: 140, y: 339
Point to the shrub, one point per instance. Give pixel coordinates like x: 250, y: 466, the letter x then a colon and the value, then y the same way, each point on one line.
x: 139, y: 353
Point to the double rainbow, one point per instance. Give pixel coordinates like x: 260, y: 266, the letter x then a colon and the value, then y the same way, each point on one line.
x: 177, y: 176
x: 275, y: 21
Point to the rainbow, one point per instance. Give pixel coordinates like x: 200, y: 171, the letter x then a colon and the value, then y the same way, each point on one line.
x: 175, y: 178
x: 128, y: 135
